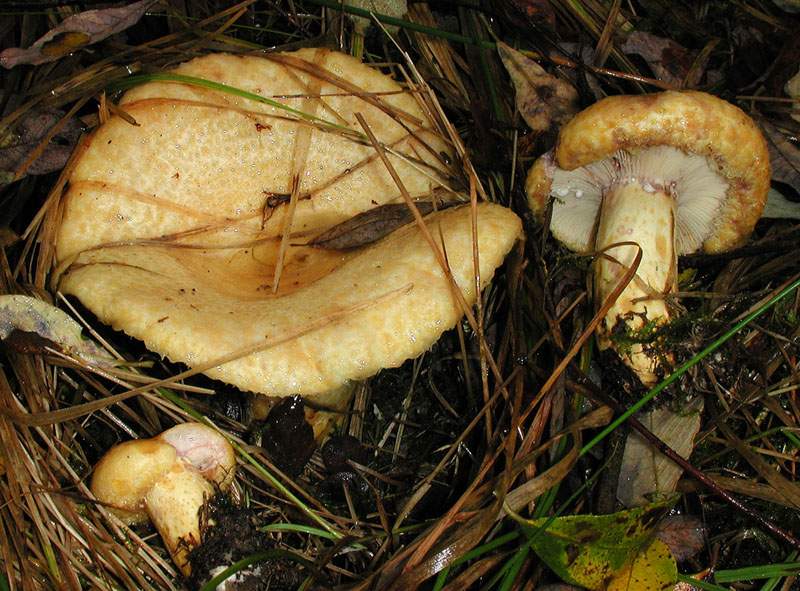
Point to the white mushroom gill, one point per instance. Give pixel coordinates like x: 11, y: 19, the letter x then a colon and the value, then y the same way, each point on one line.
x: 659, y: 199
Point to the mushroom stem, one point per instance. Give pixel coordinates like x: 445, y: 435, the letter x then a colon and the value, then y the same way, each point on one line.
x: 645, y: 214
x: 173, y: 505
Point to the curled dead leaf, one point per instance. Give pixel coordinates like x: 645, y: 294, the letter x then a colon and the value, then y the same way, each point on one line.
x: 369, y: 226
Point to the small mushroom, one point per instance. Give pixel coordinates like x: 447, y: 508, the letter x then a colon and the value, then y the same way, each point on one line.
x: 166, y: 479
x: 674, y: 173
x: 174, y: 230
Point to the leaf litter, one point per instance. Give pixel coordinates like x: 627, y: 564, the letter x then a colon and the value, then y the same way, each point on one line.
x: 76, y: 32
x: 15, y: 148
x: 419, y: 465
x: 544, y: 101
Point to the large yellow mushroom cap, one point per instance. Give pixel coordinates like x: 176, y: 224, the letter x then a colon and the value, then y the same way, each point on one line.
x: 172, y: 229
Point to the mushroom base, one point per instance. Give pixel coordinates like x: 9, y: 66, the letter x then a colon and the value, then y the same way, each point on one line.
x: 640, y: 216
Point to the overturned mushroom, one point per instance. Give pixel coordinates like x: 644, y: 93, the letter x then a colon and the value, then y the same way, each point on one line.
x: 673, y: 173
x: 190, y: 230
x: 166, y: 479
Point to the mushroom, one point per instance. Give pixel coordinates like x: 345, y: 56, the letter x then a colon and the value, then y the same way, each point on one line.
x: 190, y: 230
x: 166, y: 479
x: 673, y: 172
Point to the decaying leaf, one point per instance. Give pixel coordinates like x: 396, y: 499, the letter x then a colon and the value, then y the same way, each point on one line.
x: 608, y: 551
x: 779, y: 207
x: 15, y: 148
x: 543, y: 100
x: 792, y: 6
x: 394, y: 8
x: 784, y: 156
x: 670, y: 61
x: 792, y: 89
x: 29, y: 325
x: 75, y: 32
x: 369, y: 226
x: 652, y: 568
x: 684, y: 534
x: 538, y: 11
x: 644, y: 469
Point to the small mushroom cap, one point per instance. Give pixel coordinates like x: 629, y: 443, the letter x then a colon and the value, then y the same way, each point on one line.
x: 205, y: 449
x: 171, y: 229
x: 693, y: 122
x: 127, y: 472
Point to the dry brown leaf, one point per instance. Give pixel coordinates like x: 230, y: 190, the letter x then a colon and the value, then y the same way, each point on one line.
x: 543, y: 100
x: 644, y: 469
x: 77, y: 31
x: 670, y: 61
x: 784, y: 156
x: 369, y: 226
x: 15, y: 148
x: 684, y: 534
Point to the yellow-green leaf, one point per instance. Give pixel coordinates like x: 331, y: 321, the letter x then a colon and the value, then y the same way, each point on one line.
x: 601, y: 552
x: 654, y: 568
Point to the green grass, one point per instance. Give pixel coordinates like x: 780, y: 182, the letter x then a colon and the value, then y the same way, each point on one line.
x: 764, y: 571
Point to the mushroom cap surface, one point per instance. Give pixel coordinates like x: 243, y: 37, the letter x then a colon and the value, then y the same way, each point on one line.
x: 127, y: 472
x: 693, y: 122
x: 202, y: 164
x: 171, y: 230
x: 401, y: 303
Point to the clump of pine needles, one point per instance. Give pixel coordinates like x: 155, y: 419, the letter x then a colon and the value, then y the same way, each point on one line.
x: 489, y: 421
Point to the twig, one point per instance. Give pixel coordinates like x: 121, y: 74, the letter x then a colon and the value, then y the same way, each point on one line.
x: 589, y: 389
